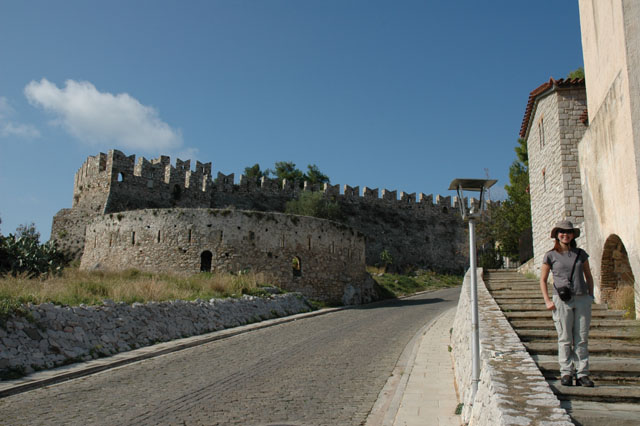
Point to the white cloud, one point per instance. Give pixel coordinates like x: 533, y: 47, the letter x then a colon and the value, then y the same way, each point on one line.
x: 5, y: 108
x: 25, y: 131
x: 10, y: 128
x: 95, y: 117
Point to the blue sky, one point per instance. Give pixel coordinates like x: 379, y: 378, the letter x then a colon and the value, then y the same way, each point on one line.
x: 401, y: 95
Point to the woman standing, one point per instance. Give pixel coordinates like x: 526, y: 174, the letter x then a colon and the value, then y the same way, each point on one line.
x: 571, y: 303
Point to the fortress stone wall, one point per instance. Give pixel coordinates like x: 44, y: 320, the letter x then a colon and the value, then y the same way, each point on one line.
x: 319, y: 258
x: 416, y: 230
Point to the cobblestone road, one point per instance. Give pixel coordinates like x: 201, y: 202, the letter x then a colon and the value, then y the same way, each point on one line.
x: 325, y: 370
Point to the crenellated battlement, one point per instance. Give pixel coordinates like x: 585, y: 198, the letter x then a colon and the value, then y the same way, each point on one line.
x: 158, y: 182
x: 409, y: 225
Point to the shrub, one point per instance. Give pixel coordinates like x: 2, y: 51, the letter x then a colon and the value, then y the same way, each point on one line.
x: 316, y: 205
x: 23, y: 254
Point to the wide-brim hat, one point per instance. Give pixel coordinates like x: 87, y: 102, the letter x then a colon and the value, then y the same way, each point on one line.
x: 565, y: 224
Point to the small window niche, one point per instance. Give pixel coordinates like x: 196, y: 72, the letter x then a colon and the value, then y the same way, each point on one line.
x: 296, y: 267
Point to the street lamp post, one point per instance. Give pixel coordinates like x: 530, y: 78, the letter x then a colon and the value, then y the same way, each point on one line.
x: 471, y: 214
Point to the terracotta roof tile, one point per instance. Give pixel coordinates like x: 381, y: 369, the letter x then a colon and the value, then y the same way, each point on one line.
x: 549, y: 85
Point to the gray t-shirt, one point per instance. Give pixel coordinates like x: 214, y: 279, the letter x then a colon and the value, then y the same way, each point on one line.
x: 561, y: 265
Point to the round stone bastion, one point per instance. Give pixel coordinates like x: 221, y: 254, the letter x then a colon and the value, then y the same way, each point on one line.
x: 321, y: 259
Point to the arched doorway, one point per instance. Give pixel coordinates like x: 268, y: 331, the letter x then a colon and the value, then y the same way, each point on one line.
x: 616, y: 276
x: 205, y: 261
x: 296, y: 267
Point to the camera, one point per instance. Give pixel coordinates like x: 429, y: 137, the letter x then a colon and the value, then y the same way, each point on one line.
x: 565, y: 294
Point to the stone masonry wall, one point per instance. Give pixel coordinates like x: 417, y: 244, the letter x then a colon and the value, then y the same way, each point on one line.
x: 511, y: 390
x: 414, y: 229
x: 329, y: 256
x: 554, y: 174
x: 50, y: 335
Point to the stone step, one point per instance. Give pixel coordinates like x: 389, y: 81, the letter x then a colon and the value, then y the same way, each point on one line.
x: 604, y: 323
x: 608, y: 314
x: 529, y: 335
x: 514, y: 287
x: 509, y: 295
x: 542, y: 307
x: 616, y: 348
x: 603, y: 370
x: 592, y: 413
x: 601, y: 393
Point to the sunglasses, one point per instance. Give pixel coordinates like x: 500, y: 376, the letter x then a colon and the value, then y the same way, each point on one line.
x: 565, y: 231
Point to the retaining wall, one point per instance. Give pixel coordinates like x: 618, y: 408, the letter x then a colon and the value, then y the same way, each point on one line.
x: 512, y: 390
x: 49, y: 335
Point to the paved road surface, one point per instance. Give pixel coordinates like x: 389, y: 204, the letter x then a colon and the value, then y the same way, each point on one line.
x: 325, y: 370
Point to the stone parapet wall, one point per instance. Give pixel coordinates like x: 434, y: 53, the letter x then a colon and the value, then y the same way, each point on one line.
x: 48, y: 335
x: 330, y: 256
x: 512, y: 390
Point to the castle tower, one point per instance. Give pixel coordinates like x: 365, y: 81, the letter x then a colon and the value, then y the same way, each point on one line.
x: 553, y: 124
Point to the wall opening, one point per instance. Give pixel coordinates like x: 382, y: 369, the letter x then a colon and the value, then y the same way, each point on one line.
x: 205, y: 261
x: 616, y: 276
x: 296, y: 267
x: 120, y: 177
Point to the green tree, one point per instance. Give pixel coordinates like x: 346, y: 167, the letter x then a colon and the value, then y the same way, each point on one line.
x: 577, y: 73
x: 315, y: 176
x: 287, y: 170
x: 255, y: 172
x: 507, y: 222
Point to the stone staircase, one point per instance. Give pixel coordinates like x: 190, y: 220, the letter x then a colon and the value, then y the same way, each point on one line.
x: 614, y: 347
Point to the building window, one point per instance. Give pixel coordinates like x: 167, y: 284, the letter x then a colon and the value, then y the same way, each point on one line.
x: 541, y: 132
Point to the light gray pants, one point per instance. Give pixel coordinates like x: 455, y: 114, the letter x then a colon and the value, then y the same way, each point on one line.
x: 572, y: 320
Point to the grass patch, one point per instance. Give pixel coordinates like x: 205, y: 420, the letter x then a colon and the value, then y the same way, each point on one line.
x: 74, y: 287
x: 623, y: 299
x: 396, y: 285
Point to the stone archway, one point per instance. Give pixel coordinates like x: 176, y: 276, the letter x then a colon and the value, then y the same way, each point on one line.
x: 615, y: 270
x: 205, y: 261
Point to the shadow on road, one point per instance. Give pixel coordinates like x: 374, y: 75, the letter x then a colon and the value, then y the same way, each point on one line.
x: 388, y: 303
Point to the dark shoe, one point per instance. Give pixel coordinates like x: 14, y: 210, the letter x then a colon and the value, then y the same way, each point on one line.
x: 566, y: 380
x: 584, y: 381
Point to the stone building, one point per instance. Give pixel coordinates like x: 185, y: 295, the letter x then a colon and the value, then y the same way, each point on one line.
x: 610, y: 148
x: 553, y: 124
x: 606, y: 137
